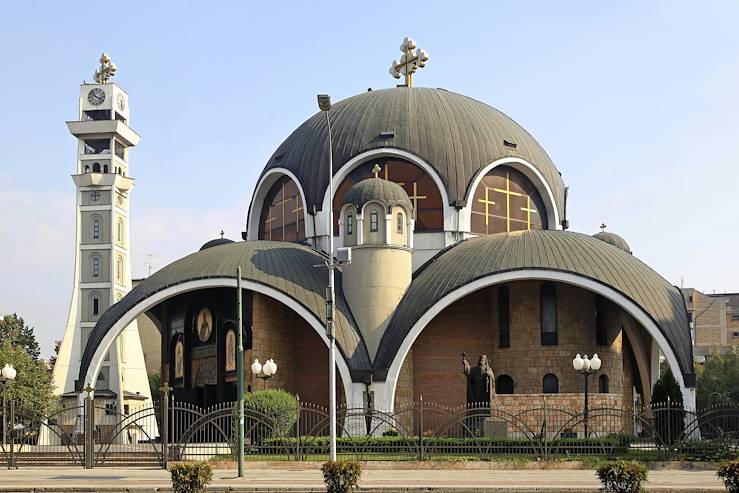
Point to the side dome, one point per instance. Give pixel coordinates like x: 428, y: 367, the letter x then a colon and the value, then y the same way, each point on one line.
x: 613, y: 239
x: 456, y: 135
x: 386, y: 192
x: 215, y: 242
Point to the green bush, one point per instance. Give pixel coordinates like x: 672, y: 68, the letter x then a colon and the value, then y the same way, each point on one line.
x: 341, y: 476
x: 721, y: 448
x: 190, y: 477
x: 667, y: 407
x: 281, y: 407
x: 622, y: 476
x: 729, y: 474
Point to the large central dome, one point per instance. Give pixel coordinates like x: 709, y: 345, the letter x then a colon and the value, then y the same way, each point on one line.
x: 454, y: 134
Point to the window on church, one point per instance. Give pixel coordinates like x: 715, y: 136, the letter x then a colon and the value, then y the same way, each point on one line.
x: 601, y: 323
x: 120, y: 150
x: 350, y: 224
x: 504, y: 317
x: 550, y: 384
x: 105, y: 168
x: 95, y: 306
x: 95, y: 266
x: 87, y: 168
x: 428, y: 209
x: 119, y: 269
x: 96, y: 115
x: 603, y: 384
x: 96, y: 167
x: 282, y: 217
x: 119, y: 232
x: 399, y: 225
x: 504, y: 385
x: 548, y: 314
x: 97, y: 146
x: 96, y: 229
x: 506, y: 200
x: 374, y: 223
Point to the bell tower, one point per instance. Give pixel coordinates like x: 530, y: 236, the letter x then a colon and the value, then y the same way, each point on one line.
x: 102, y: 273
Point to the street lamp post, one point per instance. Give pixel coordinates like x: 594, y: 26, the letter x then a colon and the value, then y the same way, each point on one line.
x: 8, y: 374
x: 586, y: 367
x: 264, y: 371
x: 324, y: 104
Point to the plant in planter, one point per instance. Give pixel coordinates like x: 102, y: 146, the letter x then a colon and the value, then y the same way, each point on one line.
x: 341, y: 476
x: 729, y: 474
x: 190, y: 477
x: 622, y: 476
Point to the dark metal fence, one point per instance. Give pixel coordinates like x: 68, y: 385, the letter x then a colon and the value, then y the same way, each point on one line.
x: 94, y: 435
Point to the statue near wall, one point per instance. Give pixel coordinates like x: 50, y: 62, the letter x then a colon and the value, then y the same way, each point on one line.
x: 480, y: 380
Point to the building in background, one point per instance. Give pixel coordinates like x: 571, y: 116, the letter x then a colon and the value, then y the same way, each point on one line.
x: 714, y: 321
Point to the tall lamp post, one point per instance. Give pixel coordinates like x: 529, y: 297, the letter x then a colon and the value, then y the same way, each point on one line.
x: 8, y: 374
x: 264, y: 371
x: 324, y: 104
x: 586, y: 367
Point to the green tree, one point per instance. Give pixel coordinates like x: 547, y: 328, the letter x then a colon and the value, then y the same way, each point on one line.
x: 718, y: 381
x: 33, y: 386
x: 667, y: 407
x: 14, y: 329
x: 155, y: 384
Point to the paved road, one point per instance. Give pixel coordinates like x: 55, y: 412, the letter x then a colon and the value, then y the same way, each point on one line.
x: 275, y: 480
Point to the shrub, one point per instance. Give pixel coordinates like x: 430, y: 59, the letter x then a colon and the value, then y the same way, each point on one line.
x: 279, y: 406
x: 341, y: 476
x: 717, y: 449
x: 729, y: 474
x: 190, y: 477
x: 622, y: 476
x: 667, y: 407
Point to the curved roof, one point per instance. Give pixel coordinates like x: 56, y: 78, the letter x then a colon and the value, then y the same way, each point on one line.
x: 613, y: 239
x: 215, y: 242
x: 384, y: 191
x: 287, y: 267
x: 455, y: 134
x: 551, y: 250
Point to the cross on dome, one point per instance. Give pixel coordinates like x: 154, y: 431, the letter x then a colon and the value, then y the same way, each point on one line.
x: 106, y: 70
x: 409, y: 62
x: 603, y: 226
x: 376, y: 170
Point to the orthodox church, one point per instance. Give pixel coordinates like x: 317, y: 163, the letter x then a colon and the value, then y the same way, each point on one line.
x: 456, y: 220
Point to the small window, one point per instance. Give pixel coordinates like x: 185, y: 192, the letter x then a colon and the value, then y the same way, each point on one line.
x: 399, y: 225
x: 350, y: 224
x: 735, y: 334
x: 504, y: 384
x: 603, y: 384
x: 96, y: 229
x: 548, y: 314
x: 504, y: 317
x: 105, y: 168
x: 550, y: 384
x: 95, y: 266
x: 87, y: 168
x: 373, y: 221
x: 119, y: 269
x: 120, y: 230
x: 601, y: 327
x: 120, y: 150
x: 690, y: 317
x: 95, y: 306
x: 96, y: 167
x: 733, y: 317
x: 97, y: 146
x: 690, y: 298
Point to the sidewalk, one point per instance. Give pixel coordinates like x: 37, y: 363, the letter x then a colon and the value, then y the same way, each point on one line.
x: 384, y: 481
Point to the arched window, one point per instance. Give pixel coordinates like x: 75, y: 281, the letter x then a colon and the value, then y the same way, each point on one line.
x: 119, y: 269
x: 95, y: 303
x: 96, y: 227
x: 105, y: 168
x: 374, y: 221
x: 601, y: 327
x: 603, y: 384
x: 548, y: 314
x: 350, y: 224
x: 399, y: 223
x: 504, y: 385
x: 87, y: 168
x: 504, y: 317
x: 550, y: 384
x: 282, y: 217
x: 119, y: 231
x: 96, y: 266
x: 96, y: 167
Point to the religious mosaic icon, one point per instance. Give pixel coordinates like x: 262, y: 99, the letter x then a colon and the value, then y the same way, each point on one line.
x: 231, y: 350
x: 206, y: 374
x: 179, y: 360
x: 96, y: 96
x: 204, y: 324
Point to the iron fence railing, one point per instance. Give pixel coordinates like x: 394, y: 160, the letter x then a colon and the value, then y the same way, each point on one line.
x: 92, y: 434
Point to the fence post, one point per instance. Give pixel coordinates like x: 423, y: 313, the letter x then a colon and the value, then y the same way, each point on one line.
x: 89, y: 429
x: 669, y: 422
x: 164, y: 432
x: 298, y: 455
x: 11, y: 464
x: 544, y: 432
x: 420, y: 429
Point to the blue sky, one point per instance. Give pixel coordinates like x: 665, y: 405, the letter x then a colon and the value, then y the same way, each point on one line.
x: 636, y: 103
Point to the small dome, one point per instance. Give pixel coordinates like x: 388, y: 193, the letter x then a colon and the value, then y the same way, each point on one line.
x: 614, y: 240
x: 384, y: 191
x: 215, y: 242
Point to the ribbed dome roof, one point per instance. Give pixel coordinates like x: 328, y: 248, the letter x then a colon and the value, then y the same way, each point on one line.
x: 384, y: 191
x: 454, y: 134
x: 215, y: 242
x: 613, y: 239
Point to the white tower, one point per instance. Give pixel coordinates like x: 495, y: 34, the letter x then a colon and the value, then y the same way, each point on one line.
x: 102, y: 274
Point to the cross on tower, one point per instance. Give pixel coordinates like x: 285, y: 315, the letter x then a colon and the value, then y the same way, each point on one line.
x: 106, y: 70
x: 409, y: 62
x: 603, y: 227
x: 376, y: 170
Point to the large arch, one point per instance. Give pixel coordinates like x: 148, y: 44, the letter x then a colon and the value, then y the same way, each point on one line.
x: 146, y: 304
x: 261, y: 190
x: 637, y: 312
x: 532, y: 173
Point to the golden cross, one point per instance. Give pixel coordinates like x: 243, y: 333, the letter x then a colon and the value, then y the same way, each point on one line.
x: 281, y: 203
x: 376, y: 170
x: 297, y: 212
x: 508, y: 194
x: 409, y: 62
x: 528, y: 211
x: 268, y: 222
x: 387, y: 176
x: 415, y: 198
x: 106, y: 70
x: 487, y: 203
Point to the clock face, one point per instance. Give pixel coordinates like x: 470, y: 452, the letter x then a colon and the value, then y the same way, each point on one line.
x: 96, y: 96
x: 204, y: 324
x: 120, y: 101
